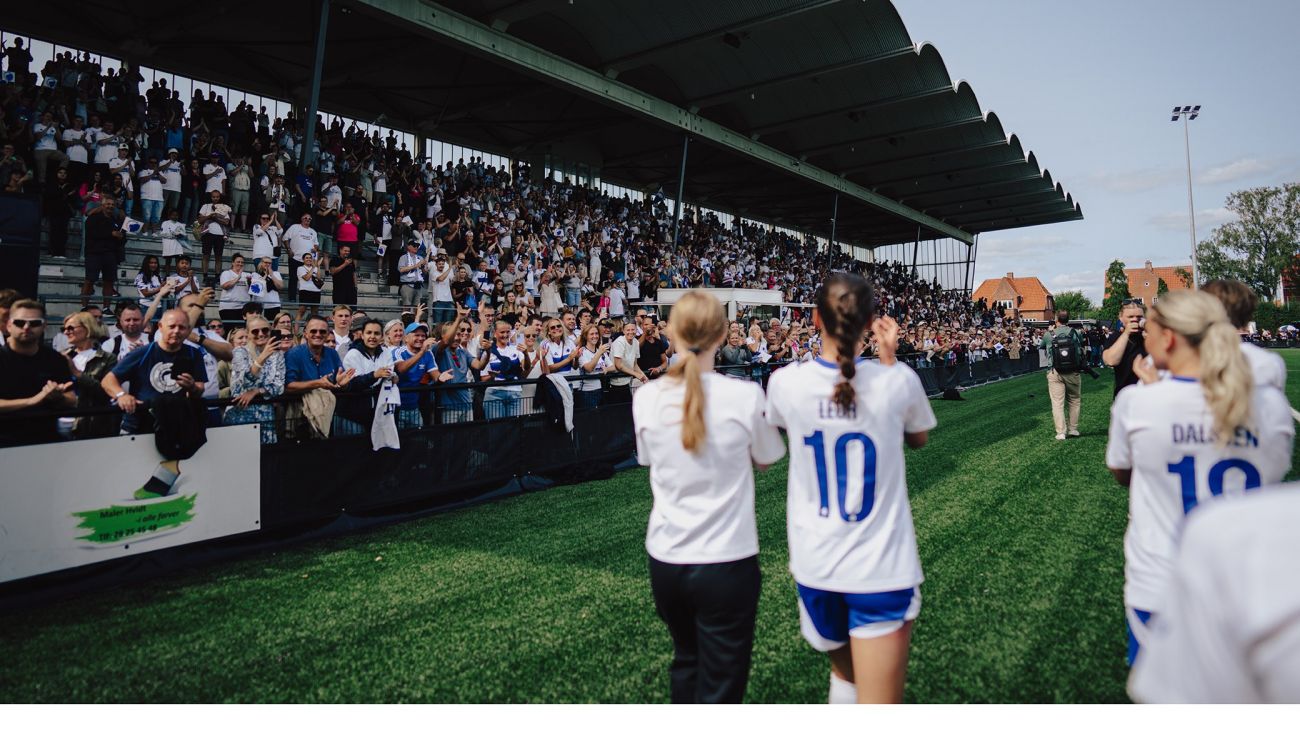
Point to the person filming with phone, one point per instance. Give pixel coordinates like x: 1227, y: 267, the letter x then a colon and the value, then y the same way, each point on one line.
x: 1126, y: 345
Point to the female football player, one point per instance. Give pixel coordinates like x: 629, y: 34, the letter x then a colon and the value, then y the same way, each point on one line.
x: 699, y: 432
x: 852, y: 546
x: 1202, y: 432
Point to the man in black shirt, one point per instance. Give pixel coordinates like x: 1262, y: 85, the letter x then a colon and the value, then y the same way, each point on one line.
x: 103, y: 236
x: 343, y: 269
x: 34, y: 377
x: 654, y: 350
x: 1126, y: 345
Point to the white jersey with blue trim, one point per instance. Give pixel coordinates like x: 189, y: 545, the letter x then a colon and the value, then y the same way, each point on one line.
x: 1267, y: 367
x: 1164, y: 433
x: 1230, y: 633
x: 849, y: 521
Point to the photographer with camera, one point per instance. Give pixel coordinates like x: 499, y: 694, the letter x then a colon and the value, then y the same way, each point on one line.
x: 1126, y: 345
x: 1064, y: 346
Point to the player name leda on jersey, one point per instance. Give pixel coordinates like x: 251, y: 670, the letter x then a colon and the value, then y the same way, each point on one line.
x: 830, y: 410
x: 1203, y: 434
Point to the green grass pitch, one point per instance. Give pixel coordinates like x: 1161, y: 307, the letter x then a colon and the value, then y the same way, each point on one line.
x: 545, y: 597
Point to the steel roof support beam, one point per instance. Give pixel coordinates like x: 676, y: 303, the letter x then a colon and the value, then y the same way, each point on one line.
x: 938, y: 154
x: 886, y: 184
x: 714, y: 99
x: 1024, y: 211
x: 641, y: 57
x: 523, y: 10
x: 317, y: 68
x: 437, y: 22
x: 974, y: 203
x: 872, y: 106
x: 900, y: 133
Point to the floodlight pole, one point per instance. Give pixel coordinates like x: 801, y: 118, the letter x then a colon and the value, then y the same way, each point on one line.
x: 1188, y: 113
x: 313, y: 102
x: 681, y: 185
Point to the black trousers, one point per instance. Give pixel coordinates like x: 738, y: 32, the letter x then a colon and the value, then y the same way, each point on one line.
x: 709, y: 610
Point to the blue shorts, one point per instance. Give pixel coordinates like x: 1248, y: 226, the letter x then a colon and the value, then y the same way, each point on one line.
x: 1140, y: 618
x: 828, y: 619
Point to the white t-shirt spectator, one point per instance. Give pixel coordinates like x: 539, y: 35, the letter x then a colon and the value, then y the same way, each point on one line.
x: 301, y: 240
x: 264, y: 241
x: 237, y: 294
x: 381, y: 181
x: 151, y: 188
x: 122, y: 168
x: 74, y: 141
x: 333, y: 196
x: 214, y: 227
x: 309, y: 284
x: 172, y: 176
x: 617, y: 302
x: 628, y: 353
x: 270, y: 297
x: 441, y: 289
x: 217, y: 181
x: 585, y: 356
x: 47, y: 137
x: 104, y: 153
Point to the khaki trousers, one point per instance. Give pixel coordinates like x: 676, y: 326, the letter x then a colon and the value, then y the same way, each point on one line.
x: 1062, y: 388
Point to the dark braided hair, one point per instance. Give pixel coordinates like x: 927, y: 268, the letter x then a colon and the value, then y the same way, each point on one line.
x: 845, y: 303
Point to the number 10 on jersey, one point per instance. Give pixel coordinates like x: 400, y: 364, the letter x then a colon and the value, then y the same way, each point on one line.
x: 817, y: 442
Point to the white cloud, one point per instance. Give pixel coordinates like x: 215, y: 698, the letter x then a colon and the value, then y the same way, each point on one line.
x: 1089, y: 282
x: 1023, y: 247
x: 1233, y: 171
x: 1137, y: 180
x: 1205, y: 219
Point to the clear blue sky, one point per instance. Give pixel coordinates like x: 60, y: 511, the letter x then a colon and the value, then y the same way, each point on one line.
x: 1088, y: 87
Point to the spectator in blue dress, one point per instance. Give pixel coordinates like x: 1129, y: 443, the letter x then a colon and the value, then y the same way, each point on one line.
x: 258, y: 370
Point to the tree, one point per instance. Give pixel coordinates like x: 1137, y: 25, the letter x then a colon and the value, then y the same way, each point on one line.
x: 1074, y: 302
x: 1116, y: 291
x: 1184, y: 275
x: 1162, y: 288
x: 1260, y: 244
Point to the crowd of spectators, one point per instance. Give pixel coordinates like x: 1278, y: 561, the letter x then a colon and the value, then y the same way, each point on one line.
x: 495, y: 275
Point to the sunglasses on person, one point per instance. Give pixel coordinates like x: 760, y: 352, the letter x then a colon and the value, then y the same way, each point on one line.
x: 258, y: 331
x: 28, y: 323
x: 71, y: 327
x: 316, y: 332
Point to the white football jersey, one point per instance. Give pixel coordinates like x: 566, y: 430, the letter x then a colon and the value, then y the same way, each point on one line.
x: 849, y: 521
x: 703, y: 502
x: 1164, y: 433
x: 1268, y: 367
x: 1230, y: 631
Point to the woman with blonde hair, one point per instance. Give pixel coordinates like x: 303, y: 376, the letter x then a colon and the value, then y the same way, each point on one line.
x: 1203, y: 432
x: 257, y: 370
x: 699, y: 432
x: 89, y: 365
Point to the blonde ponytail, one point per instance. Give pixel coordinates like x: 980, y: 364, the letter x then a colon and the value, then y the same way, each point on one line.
x: 1226, y: 379
x: 693, y: 430
x: 697, y: 324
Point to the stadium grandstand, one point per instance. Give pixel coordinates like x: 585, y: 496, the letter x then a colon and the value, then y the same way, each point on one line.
x: 500, y: 192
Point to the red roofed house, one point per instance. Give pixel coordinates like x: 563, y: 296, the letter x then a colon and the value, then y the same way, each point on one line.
x: 1027, y: 295
x: 1144, y: 282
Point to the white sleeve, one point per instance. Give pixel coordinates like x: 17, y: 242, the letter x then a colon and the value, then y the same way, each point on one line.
x: 1194, y: 652
x: 773, y: 414
x: 1119, y: 453
x: 919, y: 417
x: 640, y: 423
x: 766, y: 446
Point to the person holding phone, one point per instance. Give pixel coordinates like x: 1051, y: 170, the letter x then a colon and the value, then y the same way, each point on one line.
x: 1126, y: 345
